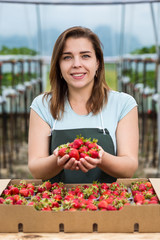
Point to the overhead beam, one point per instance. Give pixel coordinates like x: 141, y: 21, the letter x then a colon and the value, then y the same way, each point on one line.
x: 47, y: 2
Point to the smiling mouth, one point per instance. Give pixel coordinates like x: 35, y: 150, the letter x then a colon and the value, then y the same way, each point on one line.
x: 78, y: 74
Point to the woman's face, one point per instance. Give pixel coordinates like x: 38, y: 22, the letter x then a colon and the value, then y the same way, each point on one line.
x: 78, y: 63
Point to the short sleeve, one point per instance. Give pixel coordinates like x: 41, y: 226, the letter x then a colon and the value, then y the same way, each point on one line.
x: 41, y: 106
x: 127, y: 104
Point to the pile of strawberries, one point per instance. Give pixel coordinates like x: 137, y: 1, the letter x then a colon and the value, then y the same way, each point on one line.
x: 143, y: 193
x: 80, y: 148
x: 88, y: 197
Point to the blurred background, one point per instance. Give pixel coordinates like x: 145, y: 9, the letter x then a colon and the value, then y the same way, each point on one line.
x: 129, y: 32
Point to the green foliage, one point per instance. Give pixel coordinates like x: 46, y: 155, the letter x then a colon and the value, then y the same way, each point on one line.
x: 9, y: 80
x: 150, y: 77
x: 17, y: 51
x: 111, y: 75
x: 145, y: 50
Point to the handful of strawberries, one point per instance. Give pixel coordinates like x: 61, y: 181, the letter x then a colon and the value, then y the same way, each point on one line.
x: 80, y: 148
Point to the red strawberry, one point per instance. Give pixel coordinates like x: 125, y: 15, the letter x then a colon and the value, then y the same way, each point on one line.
x: 57, y: 191
x: 14, y: 190
x: 83, y: 149
x: 41, y: 189
x: 45, y: 195
x: 47, y: 185
x: 23, y: 184
x: 142, y: 187
x: 92, y: 197
x: 72, y: 210
x: 77, y: 142
x: 70, y: 144
x: 83, y: 155
x: 87, y: 142
x: 57, y: 197
x: 153, y: 202
x: 24, y: 192
x: 46, y: 209
x: 134, y: 192
x: 1, y: 200
x: 77, y: 204
x: 62, y: 151
x: 73, y: 153
x: 69, y: 197
x: 55, y: 204
x: 146, y: 201
x: 20, y: 202
x: 109, y: 200
x: 6, y: 192
x: 30, y: 185
x: 16, y: 197
x: 8, y: 201
x: 116, y: 193
x: 114, y: 186
x: 11, y: 198
x: 111, y: 208
x: 30, y: 204
x: 104, y: 186
x: 139, y: 198
x: 102, y: 204
x: 54, y: 185
x: 91, y: 206
x: 155, y: 198
x: 93, y: 153
x: 148, y: 184
x: 93, y: 144
x: 31, y: 192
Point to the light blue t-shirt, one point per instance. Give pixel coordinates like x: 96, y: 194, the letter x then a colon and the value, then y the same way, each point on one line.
x: 118, y: 105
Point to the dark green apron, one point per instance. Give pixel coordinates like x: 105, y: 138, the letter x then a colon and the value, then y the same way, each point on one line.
x: 59, y: 137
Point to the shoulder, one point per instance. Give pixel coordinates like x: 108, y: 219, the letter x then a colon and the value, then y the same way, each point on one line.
x: 121, y: 103
x: 41, y: 105
x: 119, y: 96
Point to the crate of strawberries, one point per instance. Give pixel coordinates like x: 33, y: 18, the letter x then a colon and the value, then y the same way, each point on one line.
x: 126, y: 202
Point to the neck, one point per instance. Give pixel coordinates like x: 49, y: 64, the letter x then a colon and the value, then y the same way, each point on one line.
x: 79, y: 95
x: 78, y: 102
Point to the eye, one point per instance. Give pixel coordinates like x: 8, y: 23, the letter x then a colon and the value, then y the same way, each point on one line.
x: 86, y: 56
x: 67, y: 57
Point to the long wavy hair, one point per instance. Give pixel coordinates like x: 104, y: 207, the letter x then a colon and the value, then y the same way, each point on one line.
x: 59, y: 87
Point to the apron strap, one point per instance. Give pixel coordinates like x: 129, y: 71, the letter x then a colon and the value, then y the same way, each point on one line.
x: 53, y: 128
x: 102, y: 123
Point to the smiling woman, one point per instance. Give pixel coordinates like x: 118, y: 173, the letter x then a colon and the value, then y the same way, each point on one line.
x: 81, y: 103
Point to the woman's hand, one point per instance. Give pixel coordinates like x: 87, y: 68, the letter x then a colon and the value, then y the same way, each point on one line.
x: 88, y: 163
x: 66, y: 162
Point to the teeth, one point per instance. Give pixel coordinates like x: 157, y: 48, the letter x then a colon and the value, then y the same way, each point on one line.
x: 78, y: 75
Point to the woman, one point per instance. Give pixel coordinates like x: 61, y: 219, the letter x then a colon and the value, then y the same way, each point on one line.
x: 80, y: 102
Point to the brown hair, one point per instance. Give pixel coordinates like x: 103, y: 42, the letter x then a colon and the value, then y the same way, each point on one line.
x: 59, y: 88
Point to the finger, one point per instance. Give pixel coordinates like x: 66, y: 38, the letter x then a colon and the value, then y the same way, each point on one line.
x: 55, y: 152
x: 92, y: 161
x: 62, y: 160
x: 87, y: 164
x: 70, y: 164
x: 101, y: 152
x: 74, y: 166
x: 82, y: 167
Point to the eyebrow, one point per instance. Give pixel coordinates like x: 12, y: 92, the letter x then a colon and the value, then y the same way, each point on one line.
x: 80, y: 52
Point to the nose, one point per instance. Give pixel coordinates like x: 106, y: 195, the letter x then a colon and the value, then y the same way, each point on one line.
x: 77, y: 62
